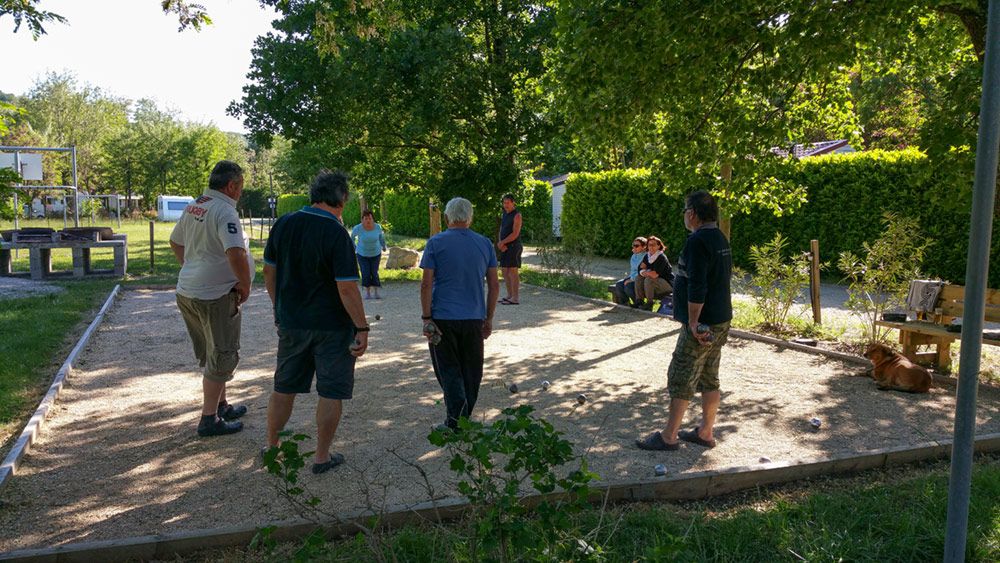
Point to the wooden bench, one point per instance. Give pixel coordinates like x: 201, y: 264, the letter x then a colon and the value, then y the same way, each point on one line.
x: 930, y: 329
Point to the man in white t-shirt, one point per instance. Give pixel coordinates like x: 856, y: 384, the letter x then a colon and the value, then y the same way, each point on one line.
x: 216, y: 272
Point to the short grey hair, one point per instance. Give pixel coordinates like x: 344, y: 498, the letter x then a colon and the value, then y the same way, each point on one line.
x: 459, y: 210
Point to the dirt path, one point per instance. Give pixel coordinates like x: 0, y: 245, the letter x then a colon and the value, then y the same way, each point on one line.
x: 120, y: 458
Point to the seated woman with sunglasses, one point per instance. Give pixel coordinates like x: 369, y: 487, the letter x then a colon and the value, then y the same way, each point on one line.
x: 623, y: 291
x: 655, y: 275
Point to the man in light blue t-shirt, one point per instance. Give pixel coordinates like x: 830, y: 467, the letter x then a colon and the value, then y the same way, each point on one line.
x: 457, y: 316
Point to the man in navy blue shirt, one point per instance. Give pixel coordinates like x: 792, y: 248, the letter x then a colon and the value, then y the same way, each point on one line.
x: 703, y: 304
x: 311, y: 274
x: 457, y: 317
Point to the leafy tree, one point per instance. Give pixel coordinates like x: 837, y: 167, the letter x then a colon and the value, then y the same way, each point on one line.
x: 718, y: 84
x: 439, y: 95
x: 63, y: 113
x: 27, y: 12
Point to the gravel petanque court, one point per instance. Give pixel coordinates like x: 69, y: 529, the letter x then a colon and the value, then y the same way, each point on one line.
x: 119, y: 456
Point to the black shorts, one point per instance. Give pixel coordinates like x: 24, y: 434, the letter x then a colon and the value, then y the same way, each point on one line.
x: 326, y: 353
x: 511, y: 258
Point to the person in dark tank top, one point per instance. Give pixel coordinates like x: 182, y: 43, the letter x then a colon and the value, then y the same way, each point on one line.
x: 703, y: 304
x: 509, y: 244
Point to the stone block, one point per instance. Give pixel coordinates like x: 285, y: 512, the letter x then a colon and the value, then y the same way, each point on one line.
x: 401, y: 258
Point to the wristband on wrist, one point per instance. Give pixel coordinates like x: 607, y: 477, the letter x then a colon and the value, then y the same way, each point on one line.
x: 425, y: 317
x: 362, y: 328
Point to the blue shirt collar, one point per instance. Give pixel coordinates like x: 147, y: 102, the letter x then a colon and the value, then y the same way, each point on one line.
x: 316, y: 211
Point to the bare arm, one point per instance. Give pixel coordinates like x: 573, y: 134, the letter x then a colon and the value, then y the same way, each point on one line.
x: 270, y: 282
x: 350, y: 296
x: 178, y: 252
x: 426, y: 285
x: 426, y: 295
x: 694, y: 311
x: 492, y: 292
x: 237, y: 257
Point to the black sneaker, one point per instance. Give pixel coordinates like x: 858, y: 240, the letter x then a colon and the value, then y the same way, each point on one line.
x: 228, y: 412
x: 219, y: 427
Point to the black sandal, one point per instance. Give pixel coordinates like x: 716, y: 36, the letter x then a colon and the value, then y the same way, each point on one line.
x: 335, y: 460
x: 654, y: 442
x: 693, y: 437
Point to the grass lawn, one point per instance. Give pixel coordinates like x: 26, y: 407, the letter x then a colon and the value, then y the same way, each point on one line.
x: 36, y: 333
x: 884, y: 515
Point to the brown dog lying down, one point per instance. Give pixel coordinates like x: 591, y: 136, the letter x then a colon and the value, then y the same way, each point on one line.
x: 895, y: 371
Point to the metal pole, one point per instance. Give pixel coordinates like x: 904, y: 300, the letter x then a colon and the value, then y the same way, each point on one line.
x: 76, y: 193
x: 977, y: 267
x: 17, y: 168
x: 151, y: 246
x: 118, y: 204
x: 271, y: 202
x: 814, y: 287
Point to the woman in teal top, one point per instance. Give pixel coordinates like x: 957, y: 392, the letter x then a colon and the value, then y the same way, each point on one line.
x: 369, y: 242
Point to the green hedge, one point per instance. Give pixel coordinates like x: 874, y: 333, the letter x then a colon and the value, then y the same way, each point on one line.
x: 288, y: 203
x: 352, y: 211
x: 846, y: 198
x: 535, y: 203
x: 849, y: 193
x: 603, y: 211
x: 408, y: 213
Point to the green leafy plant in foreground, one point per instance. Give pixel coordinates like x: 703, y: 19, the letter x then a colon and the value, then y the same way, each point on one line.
x: 494, y: 463
x: 879, y: 278
x: 777, y: 282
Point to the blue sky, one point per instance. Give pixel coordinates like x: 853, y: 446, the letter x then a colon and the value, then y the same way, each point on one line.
x: 131, y: 49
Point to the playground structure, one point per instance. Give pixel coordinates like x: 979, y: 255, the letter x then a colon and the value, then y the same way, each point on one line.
x: 30, y: 169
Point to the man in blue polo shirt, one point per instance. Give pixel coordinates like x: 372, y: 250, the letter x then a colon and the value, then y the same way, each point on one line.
x: 457, y: 317
x: 311, y: 275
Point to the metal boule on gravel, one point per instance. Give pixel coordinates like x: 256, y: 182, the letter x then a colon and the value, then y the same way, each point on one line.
x: 512, y: 388
x: 660, y: 469
x: 378, y: 317
x: 545, y: 385
x: 765, y: 460
x: 815, y: 423
x: 581, y: 398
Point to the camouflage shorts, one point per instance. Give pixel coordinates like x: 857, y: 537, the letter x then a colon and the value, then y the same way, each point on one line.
x: 695, y: 368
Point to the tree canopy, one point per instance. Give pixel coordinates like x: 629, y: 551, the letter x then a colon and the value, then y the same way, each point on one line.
x: 443, y: 96
x: 27, y: 12
x: 692, y: 87
x: 132, y: 148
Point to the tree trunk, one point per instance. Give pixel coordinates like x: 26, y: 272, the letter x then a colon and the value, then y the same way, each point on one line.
x: 725, y: 221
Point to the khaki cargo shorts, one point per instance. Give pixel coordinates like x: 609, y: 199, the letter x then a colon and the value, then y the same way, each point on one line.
x: 695, y: 368
x: 214, y: 328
